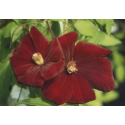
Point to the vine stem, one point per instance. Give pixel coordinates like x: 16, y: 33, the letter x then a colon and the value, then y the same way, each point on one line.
x: 66, y: 27
x: 21, y: 25
x: 69, y: 26
x: 19, y: 94
x: 50, y: 29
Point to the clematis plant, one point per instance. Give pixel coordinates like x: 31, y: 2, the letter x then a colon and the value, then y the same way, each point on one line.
x: 66, y: 73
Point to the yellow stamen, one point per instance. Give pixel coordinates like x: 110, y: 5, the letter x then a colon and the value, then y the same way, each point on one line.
x: 38, y: 59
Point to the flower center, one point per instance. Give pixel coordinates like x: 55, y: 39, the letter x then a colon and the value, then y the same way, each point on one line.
x: 37, y: 58
x: 71, y: 67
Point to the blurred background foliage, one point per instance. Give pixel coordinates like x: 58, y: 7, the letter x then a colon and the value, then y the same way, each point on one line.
x: 108, y: 33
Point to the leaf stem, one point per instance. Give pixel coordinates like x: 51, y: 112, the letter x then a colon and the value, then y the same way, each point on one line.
x: 50, y: 29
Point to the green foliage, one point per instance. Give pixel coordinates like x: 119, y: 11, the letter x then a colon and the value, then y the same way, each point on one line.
x: 58, y: 20
x: 97, y: 31
x: 36, y: 102
x: 85, y: 27
x: 5, y: 78
x: 56, y: 28
x: 103, y: 39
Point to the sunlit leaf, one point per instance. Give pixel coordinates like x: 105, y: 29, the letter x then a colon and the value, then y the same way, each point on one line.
x: 85, y: 27
x: 35, y: 102
x: 104, y: 40
x: 110, y: 96
x: 17, y: 33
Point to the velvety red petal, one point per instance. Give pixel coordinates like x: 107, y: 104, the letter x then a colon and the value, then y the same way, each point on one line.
x: 67, y: 42
x: 31, y: 77
x: 84, y: 50
x: 40, y: 42
x: 20, y: 65
x: 26, y: 72
x: 82, y: 91
x: 52, y: 69
x: 97, y: 70
x: 58, y: 90
x: 54, y: 52
x: 25, y: 48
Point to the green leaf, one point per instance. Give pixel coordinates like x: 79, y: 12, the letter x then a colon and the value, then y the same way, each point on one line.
x: 120, y: 35
x: 9, y: 28
x: 42, y: 27
x: 120, y: 73
x: 94, y: 103
x: 58, y: 20
x: 107, y: 23
x: 97, y: 38
x: 34, y: 92
x: 33, y: 22
x: 110, y: 41
x: 102, y: 22
x: 104, y: 40
x: 36, y: 102
x: 110, y: 96
x: 17, y: 33
x: 0, y: 37
x: 56, y: 28
x: 48, y: 35
x: 85, y: 27
x: 17, y: 21
x: 23, y: 21
x: 98, y: 101
x: 5, y: 77
x: 118, y: 58
x: 68, y: 104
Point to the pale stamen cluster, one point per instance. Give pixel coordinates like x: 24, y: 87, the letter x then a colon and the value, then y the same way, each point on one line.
x: 71, y: 67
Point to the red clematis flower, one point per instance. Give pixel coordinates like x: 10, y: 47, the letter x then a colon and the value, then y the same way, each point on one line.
x: 35, y: 60
x: 85, y: 68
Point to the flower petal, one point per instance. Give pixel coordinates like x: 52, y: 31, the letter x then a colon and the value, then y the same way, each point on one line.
x: 58, y: 90
x: 67, y: 42
x: 82, y: 91
x: 52, y: 69
x: 26, y: 72
x: 84, y: 50
x: 97, y: 70
x: 25, y: 48
x: 20, y: 65
x: 54, y: 52
x: 40, y: 42
x: 32, y: 77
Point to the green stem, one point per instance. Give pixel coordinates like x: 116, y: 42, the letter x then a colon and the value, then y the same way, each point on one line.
x: 50, y: 29
x: 66, y: 26
x: 19, y: 94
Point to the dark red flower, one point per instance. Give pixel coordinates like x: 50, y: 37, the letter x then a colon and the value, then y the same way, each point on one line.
x: 85, y: 68
x: 65, y: 72
x: 35, y: 60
